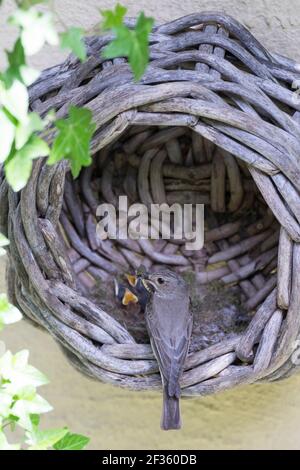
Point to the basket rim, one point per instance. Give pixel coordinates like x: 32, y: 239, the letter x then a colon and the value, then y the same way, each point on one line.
x: 253, y: 127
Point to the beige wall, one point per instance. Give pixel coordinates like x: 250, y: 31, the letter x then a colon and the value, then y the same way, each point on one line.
x: 276, y: 23
x: 253, y: 417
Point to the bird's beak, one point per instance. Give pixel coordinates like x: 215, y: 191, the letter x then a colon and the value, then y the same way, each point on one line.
x: 132, y: 279
x: 149, y: 285
x: 129, y: 298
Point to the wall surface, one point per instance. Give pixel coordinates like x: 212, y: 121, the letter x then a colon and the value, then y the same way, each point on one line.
x: 276, y: 23
x: 253, y: 417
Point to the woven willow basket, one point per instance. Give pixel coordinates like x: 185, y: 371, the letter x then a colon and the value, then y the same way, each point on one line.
x: 214, y: 120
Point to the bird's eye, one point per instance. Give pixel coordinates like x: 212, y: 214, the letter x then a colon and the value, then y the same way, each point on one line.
x: 160, y: 280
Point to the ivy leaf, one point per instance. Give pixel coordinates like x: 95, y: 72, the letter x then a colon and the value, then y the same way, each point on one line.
x: 25, y: 130
x: 8, y: 129
x: 28, y: 75
x: 43, y: 440
x: 120, y: 46
x: 26, y: 4
x: 3, y: 242
x: 13, y: 418
x: 73, y: 139
x: 113, y: 18
x: 73, y: 39
x: 5, y: 404
x: 19, y: 374
x: 8, y: 313
x: 139, y: 56
x: 133, y: 44
x: 18, y: 172
x: 37, y: 28
x: 17, y: 69
x: 18, y: 168
x: 15, y: 59
x: 15, y: 100
x: 72, y: 442
x: 35, y: 419
x: 28, y: 402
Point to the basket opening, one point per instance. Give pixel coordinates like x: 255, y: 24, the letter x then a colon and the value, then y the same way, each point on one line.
x: 228, y: 279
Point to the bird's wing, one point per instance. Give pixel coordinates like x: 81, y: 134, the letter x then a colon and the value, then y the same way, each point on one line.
x: 178, y: 359
x: 170, y: 356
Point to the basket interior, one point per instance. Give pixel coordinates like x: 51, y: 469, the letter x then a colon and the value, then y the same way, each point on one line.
x: 228, y: 278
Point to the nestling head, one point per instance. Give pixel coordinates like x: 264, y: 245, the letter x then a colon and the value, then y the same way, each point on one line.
x: 165, y: 283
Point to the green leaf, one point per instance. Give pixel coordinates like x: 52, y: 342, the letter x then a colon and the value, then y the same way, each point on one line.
x: 121, y: 45
x: 8, y: 313
x: 18, y: 168
x: 73, y: 39
x: 13, y: 418
x: 139, y: 55
x: 15, y: 100
x: 25, y: 130
x: 28, y: 402
x: 19, y: 374
x: 113, y: 18
x: 43, y: 440
x: 133, y: 44
x: 35, y: 419
x: 73, y: 139
x: 3, y: 242
x: 17, y: 69
x: 72, y: 442
x: 16, y: 59
x: 8, y: 129
x: 12, y: 421
x: 26, y: 4
x: 18, y: 172
x: 37, y: 28
x: 28, y: 75
x: 5, y: 404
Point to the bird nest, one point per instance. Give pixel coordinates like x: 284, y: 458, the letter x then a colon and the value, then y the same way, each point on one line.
x: 214, y: 120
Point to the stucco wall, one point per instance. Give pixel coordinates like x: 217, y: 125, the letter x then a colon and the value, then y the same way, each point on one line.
x: 253, y: 417
x: 276, y: 23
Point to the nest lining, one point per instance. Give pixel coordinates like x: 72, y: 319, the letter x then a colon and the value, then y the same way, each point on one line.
x: 155, y: 165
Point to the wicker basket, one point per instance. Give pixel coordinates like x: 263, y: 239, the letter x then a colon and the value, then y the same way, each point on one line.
x: 215, y: 119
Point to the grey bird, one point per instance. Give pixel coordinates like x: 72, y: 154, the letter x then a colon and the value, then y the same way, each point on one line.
x: 169, y: 323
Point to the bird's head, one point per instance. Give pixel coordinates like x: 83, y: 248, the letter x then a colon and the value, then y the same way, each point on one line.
x: 164, y: 283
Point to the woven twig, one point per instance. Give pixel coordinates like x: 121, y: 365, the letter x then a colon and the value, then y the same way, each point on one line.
x: 230, y: 140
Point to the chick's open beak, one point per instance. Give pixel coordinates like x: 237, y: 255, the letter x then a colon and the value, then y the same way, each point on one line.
x: 132, y: 279
x: 129, y: 297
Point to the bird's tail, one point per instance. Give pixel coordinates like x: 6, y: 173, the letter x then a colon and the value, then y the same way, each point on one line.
x: 171, y: 412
